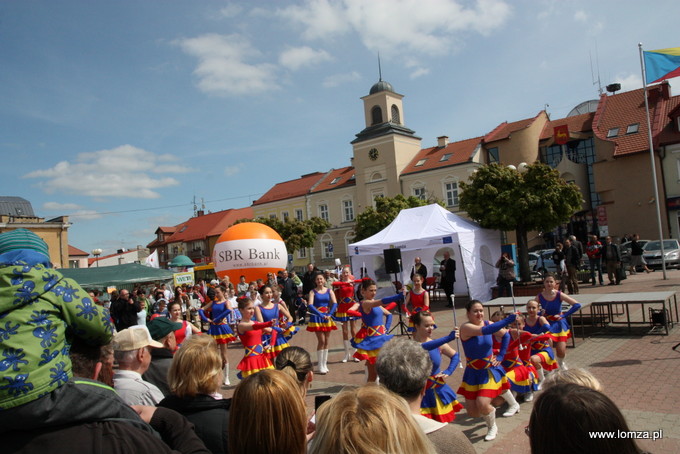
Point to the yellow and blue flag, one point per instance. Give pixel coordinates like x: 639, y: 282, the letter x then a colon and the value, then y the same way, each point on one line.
x: 662, y: 64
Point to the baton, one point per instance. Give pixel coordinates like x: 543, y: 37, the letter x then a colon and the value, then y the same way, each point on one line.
x: 514, y: 308
x: 455, y: 323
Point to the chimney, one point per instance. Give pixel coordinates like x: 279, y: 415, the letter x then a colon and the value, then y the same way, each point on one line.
x: 200, y: 213
x: 442, y: 141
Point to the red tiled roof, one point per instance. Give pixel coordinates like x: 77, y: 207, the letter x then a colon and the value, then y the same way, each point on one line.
x: 75, y: 252
x: 628, y: 108
x: 166, y: 230
x: 208, y: 225
x: 460, y: 152
x: 505, y: 129
x: 669, y: 133
x: 577, y: 123
x: 290, y: 189
x: 336, y: 178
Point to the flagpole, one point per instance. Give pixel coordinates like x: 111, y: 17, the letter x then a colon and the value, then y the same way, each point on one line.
x: 651, y: 156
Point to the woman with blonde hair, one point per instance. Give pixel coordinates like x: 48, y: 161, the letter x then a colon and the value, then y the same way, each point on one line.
x: 194, y: 378
x: 296, y: 362
x: 371, y: 420
x: 271, y: 415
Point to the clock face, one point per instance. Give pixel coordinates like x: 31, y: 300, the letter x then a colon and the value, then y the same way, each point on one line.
x: 373, y: 154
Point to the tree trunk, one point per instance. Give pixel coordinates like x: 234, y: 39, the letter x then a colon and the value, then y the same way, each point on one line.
x: 523, y: 253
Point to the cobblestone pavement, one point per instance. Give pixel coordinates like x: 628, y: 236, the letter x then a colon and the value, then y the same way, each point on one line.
x: 639, y: 371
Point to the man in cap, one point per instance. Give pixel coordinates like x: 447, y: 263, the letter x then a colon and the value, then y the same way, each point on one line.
x: 162, y: 330
x: 132, y: 349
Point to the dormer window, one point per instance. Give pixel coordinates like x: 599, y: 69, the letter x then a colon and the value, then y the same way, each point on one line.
x: 445, y: 157
x: 421, y: 162
x: 632, y: 129
x: 613, y: 132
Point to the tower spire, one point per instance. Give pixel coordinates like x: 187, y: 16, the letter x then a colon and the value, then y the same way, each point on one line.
x: 379, y: 68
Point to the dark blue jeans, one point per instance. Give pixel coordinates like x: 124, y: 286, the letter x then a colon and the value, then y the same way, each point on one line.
x: 595, y: 264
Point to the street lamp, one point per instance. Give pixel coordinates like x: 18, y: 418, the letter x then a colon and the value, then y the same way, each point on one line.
x: 96, y: 252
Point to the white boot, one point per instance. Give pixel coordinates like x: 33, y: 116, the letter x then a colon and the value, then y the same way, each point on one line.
x: 348, y: 355
x: 226, y: 375
x: 325, y: 361
x: 541, y: 377
x: 528, y: 397
x: 513, y: 405
x: 492, y: 429
x: 319, y: 360
x: 561, y: 363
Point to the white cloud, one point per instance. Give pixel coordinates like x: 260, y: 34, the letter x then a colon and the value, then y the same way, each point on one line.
x: 580, y: 16
x: 319, y: 18
x: 340, y: 79
x: 224, y: 68
x: 231, y: 10
x: 296, y: 57
x: 409, y: 28
x: 125, y: 171
x: 629, y: 82
x: 62, y: 207
x: 232, y: 170
x: 419, y: 72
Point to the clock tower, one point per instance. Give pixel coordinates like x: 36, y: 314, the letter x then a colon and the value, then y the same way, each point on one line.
x: 384, y: 147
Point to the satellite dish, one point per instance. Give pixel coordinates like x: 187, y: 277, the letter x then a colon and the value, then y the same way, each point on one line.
x: 584, y: 107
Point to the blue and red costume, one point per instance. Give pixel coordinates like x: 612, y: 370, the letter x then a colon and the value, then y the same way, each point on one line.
x: 219, y: 326
x: 481, y: 377
x: 373, y: 333
x: 440, y: 401
x: 559, y: 326
x: 283, y: 333
x: 344, y: 294
x: 255, y: 358
x: 541, y: 346
x: 320, y: 310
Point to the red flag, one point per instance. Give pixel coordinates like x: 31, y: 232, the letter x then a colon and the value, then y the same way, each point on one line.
x: 561, y: 134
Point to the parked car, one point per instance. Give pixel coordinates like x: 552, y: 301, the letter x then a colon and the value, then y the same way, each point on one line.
x: 625, y: 252
x: 652, y: 253
x: 545, y: 263
x: 533, y: 259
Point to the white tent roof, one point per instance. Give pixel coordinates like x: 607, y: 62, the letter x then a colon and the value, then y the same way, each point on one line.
x: 415, y: 228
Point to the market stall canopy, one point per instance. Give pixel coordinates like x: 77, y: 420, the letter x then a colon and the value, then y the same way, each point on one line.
x: 181, y: 261
x: 128, y: 273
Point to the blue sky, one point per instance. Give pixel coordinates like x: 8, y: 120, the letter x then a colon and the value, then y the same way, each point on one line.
x: 119, y: 113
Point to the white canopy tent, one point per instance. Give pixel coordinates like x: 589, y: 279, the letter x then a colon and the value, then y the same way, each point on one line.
x: 427, y: 232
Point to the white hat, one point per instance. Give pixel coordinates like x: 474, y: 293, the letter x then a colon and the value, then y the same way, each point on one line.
x: 134, y: 338
x: 215, y: 282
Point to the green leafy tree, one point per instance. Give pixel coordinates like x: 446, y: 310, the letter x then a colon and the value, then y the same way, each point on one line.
x: 296, y: 234
x: 502, y: 198
x: 372, y: 220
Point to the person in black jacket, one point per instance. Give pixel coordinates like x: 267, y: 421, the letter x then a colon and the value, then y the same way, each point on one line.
x: 448, y: 278
x: 572, y: 258
x: 195, y: 377
x: 162, y: 330
x: 612, y: 259
x: 124, y: 310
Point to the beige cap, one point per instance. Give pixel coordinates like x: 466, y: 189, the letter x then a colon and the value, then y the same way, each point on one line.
x: 134, y: 338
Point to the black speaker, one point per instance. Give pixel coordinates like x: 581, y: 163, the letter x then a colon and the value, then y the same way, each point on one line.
x: 392, y: 260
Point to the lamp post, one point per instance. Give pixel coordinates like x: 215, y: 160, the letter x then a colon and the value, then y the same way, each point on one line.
x: 96, y: 252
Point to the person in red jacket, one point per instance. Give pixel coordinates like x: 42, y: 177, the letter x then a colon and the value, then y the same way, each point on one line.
x: 594, y: 252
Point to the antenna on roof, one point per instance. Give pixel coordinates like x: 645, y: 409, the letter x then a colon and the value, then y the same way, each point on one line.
x: 592, y: 75
x: 379, y: 68
x: 195, y: 207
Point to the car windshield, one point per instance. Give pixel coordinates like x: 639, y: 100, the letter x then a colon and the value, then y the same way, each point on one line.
x: 655, y: 245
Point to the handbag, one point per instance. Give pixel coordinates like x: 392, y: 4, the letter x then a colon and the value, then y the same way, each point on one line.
x: 620, y: 273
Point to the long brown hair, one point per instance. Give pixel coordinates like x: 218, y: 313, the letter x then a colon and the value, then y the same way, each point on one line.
x: 268, y: 415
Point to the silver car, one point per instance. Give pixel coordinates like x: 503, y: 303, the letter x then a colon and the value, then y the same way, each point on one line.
x: 652, y: 253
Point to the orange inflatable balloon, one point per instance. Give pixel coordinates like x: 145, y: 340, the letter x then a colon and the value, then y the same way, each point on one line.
x: 249, y: 249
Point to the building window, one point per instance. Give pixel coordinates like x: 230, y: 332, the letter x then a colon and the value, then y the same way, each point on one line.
x: 285, y: 216
x: 632, y: 129
x: 445, y: 157
x: 421, y: 162
x: 327, y: 248
x: 272, y: 216
x: 376, y: 115
x: 451, y: 193
x: 395, y: 115
x: 420, y: 193
x: 302, y: 253
x: 347, y: 211
x: 613, y: 132
x: 494, y: 157
x: 323, y: 212
x: 298, y: 215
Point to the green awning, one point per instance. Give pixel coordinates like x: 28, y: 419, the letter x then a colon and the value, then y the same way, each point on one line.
x: 129, y: 273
